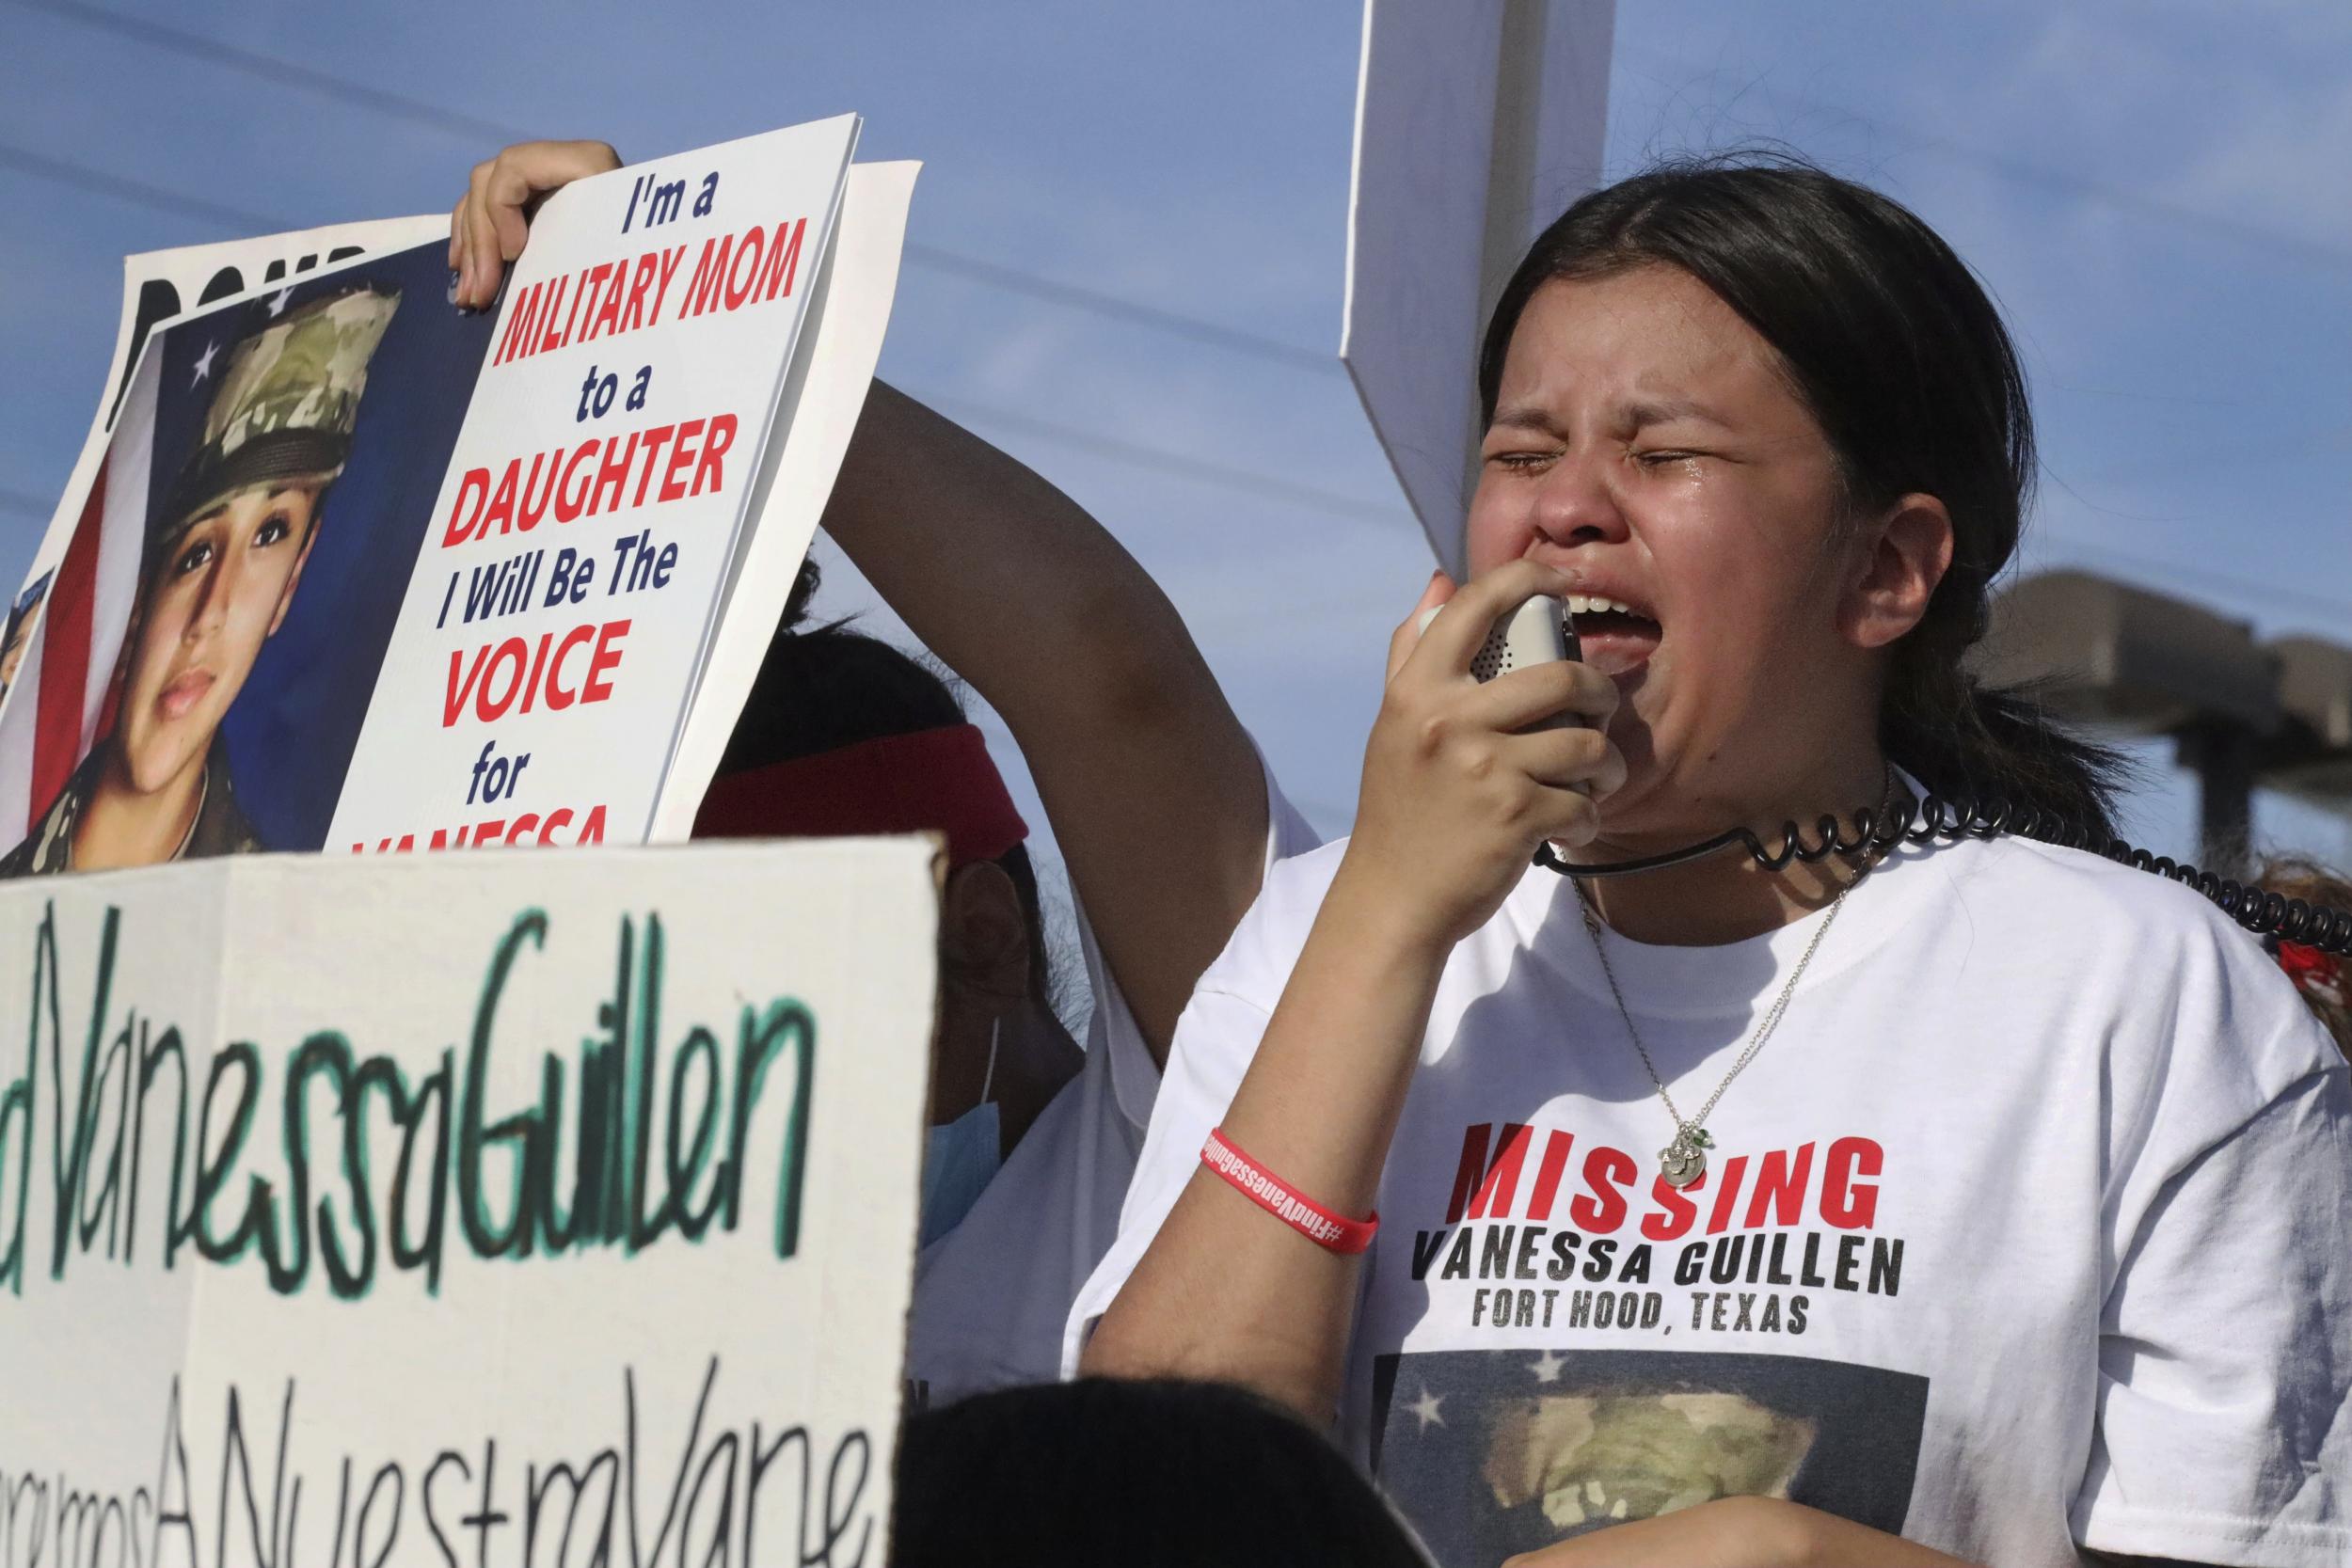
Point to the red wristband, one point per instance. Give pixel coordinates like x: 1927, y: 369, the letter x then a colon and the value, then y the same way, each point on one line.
x: 1285, y: 1202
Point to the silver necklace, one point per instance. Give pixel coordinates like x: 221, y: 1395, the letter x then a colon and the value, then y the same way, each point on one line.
x: 1684, y: 1161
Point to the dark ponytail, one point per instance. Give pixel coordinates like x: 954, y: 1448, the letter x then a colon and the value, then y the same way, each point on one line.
x: 1903, y: 360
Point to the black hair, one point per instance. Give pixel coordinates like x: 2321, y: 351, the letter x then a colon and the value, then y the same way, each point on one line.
x: 822, y: 688
x: 1904, y: 362
x: 1078, y: 1475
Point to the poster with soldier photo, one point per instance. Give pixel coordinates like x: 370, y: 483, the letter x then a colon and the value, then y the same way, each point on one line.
x: 349, y: 568
x: 196, y: 668
x: 158, y: 286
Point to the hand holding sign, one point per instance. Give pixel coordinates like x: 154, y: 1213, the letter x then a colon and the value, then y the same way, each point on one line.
x: 491, y: 220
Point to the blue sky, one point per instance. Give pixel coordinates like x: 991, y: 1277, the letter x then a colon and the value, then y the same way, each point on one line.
x: 2153, y: 190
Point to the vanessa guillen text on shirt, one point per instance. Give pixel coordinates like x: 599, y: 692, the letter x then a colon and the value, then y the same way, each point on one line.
x: 1731, y: 1254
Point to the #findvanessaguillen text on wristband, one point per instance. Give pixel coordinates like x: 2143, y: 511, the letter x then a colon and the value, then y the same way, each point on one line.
x: 1285, y: 1202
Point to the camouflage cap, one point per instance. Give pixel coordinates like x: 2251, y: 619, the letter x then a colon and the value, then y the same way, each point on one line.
x: 286, y: 406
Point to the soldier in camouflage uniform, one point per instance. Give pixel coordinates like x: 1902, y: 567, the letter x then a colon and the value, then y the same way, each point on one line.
x: 223, y: 557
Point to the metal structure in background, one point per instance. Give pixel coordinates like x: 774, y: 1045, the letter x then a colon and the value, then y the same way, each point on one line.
x: 2241, y: 713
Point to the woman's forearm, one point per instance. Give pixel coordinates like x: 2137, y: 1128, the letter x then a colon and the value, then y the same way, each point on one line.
x: 1157, y: 800
x: 1226, y: 1290
x: 999, y: 573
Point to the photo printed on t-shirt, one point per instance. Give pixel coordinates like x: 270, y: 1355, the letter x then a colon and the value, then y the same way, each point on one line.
x: 1498, y: 1451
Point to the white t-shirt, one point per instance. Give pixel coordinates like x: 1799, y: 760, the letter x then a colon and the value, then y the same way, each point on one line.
x: 991, y: 1295
x: 2031, y: 1225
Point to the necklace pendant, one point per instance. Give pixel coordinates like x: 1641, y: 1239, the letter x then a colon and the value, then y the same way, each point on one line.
x: 1682, y: 1162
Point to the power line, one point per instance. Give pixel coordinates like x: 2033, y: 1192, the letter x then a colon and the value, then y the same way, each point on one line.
x: 1122, y: 309
x: 1134, y: 454
x: 2212, y: 226
x: 1355, y: 509
x: 271, y: 68
x: 1363, y: 510
x: 284, y: 73
x: 346, y: 93
x: 2179, y: 215
x: 82, y: 176
x: 1311, y: 498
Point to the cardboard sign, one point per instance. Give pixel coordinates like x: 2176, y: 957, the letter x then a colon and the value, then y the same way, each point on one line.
x: 354, y: 570
x: 492, y: 1208
x: 1476, y: 125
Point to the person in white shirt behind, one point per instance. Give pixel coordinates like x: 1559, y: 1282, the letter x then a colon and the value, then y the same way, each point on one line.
x: 1982, y: 1201
x: 1140, y: 763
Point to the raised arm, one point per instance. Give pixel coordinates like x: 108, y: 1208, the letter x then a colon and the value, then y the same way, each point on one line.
x: 1157, y: 800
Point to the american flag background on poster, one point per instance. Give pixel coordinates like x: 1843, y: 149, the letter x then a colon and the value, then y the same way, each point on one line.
x: 62, y: 647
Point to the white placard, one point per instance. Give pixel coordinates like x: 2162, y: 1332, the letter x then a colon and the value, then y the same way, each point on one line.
x: 634, y: 419
x: 501, y: 1209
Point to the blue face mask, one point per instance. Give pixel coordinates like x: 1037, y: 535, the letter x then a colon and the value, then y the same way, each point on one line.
x: 960, y: 1159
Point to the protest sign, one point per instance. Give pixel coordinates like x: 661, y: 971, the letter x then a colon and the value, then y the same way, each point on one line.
x: 492, y: 1208
x: 1476, y: 125
x: 158, y: 285
x: 467, y: 575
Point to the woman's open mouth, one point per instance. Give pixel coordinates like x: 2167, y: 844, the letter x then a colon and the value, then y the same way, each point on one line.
x: 1616, y: 638
x: 183, y: 693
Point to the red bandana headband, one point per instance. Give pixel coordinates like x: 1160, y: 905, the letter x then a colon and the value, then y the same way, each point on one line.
x: 937, y: 780
x: 2312, y: 970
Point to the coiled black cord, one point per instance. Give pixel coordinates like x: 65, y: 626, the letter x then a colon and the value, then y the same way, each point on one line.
x: 2258, y: 910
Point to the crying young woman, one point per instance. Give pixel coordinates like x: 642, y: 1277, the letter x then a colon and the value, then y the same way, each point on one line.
x: 2045, y: 1172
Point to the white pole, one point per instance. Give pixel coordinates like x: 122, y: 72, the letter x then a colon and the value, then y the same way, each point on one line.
x: 1477, y: 124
